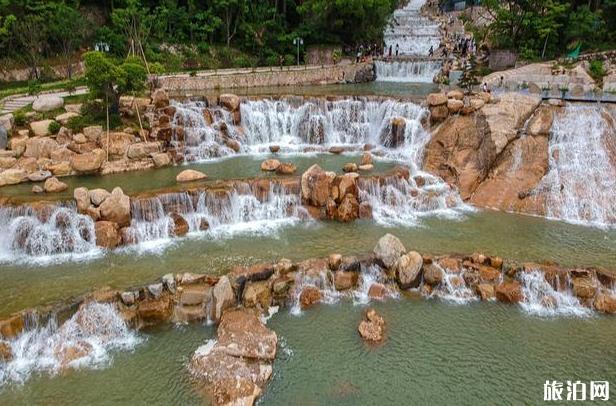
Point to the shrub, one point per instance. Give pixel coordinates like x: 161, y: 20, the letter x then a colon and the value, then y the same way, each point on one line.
x: 596, y: 70
x: 157, y: 68
x: 242, y: 61
x: 20, y: 118
x: 54, y: 127
x: 34, y: 88
x: 290, y: 60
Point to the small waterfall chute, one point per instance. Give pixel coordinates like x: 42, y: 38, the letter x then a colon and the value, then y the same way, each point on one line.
x: 414, y: 71
x: 542, y: 299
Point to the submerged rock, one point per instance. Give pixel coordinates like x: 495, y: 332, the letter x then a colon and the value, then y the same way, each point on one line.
x: 310, y: 296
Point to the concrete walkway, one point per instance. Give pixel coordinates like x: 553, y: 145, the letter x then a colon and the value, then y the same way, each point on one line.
x: 12, y: 103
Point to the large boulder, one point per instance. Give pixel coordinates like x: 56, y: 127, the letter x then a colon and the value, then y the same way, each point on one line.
x: 270, y: 165
x: 53, y: 185
x: 229, y: 101
x: 160, y: 98
x: 7, y: 121
x: 46, y: 103
x: 98, y: 196
x: 82, y: 198
x: 464, y: 149
x: 12, y: 176
x: 222, y: 298
x: 315, y: 185
x: 142, y: 150
x: 107, y: 234
x: 40, y: 147
x: 348, y: 209
x: 541, y: 122
x: 388, y: 250
x: 286, y: 168
x: 372, y: 329
x: 309, y: 296
x: 436, y: 99
x: 89, y: 162
x: 234, y: 368
x: 407, y: 270
x: 116, y: 208
x: 432, y: 274
x: 509, y: 292
x: 190, y: 175
x: 117, y: 143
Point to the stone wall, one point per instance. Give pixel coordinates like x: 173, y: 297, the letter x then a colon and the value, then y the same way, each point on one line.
x: 291, y: 76
x: 23, y: 74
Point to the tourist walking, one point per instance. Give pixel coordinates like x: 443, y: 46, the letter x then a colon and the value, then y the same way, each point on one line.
x: 390, y: 52
x: 397, y: 49
x: 431, y: 51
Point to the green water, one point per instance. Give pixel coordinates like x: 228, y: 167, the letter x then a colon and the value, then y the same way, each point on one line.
x: 523, y: 238
x: 435, y: 353
x: 230, y: 168
x: 411, y: 91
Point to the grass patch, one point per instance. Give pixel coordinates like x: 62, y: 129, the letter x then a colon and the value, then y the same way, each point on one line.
x: 13, y: 88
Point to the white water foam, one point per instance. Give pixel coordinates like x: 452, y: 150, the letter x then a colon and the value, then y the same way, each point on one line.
x: 86, y: 340
x: 321, y: 280
x: 412, y: 32
x: 369, y: 276
x: 580, y: 186
x: 54, y: 234
x: 300, y: 125
x: 407, y: 71
x: 541, y: 299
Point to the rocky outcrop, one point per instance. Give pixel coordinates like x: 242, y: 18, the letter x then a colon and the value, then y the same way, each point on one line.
x: 46, y: 103
x: 372, y: 329
x: 388, y: 250
x: 235, y: 368
x: 116, y: 208
x: 464, y: 149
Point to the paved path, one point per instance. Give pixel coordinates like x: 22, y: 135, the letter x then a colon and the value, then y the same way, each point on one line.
x: 12, y: 103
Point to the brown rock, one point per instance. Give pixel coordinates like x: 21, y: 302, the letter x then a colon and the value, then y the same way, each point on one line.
x: 433, y: 275
x: 180, y: 225
x: 605, y: 303
x: 270, y: 165
x: 438, y: 114
x: 366, y: 158
x: 315, y: 186
x: 6, y: 353
x: 485, y: 291
x: 161, y: 159
x: 155, y: 310
x: 258, y: 294
x: 274, y: 148
x: 350, y: 167
x: 407, y: 270
x: 541, y: 122
x: 436, y: 99
x: 584, y: 287
x: 489, y: 274
x: 160, y: 98
x: 190, y: 175
x: 88, y: 162
x: 53, y: 185
x: 310, y: 295
x: 98, y: 196
x: 345, y: 280
x: 455, y: 94
x: 242, y: 334
x: 373, y: 328
x: 365, y: 210
x: 377, y: 291
x: 230, y: 101
x: 348, y: 210
x: 116, y: 208
x: 107, y: 234
x: 388, y: 250
x: 454, y: 105
x: 12, y: 326
x: 396, y: 136
x: 222, y: 297
x: 286, y: 168
x: 509, y: 292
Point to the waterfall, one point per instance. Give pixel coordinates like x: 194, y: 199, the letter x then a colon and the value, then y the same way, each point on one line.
x: 369, y: 276
x: 295, y: 125
x: 402, y: 202
x: 453, y: 287
x: 407, y: 71
x: 580, y: 186
x: 540, y: 298
x: 320, y: 279
x: 412, y: 32
x: 83, y: 341
x: 216, y: 214
x: 48, y: 234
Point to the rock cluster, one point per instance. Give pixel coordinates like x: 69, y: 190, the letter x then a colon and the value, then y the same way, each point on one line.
x: 372, y: 329
x: 443, y: 105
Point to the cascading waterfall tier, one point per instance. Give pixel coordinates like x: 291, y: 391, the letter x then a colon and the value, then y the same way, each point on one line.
x: 243, y: 209
x: 580, y: 186
x: 296, y: 125
x: 397, y: 201
x: 46, y: 233
x: 84, y: 341
x: 543, y: 299
x: 413, y: 33
x: 422, y: 71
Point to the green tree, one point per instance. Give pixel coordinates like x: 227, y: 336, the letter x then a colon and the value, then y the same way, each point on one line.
x: 104, y: 78
x: 67, y: 30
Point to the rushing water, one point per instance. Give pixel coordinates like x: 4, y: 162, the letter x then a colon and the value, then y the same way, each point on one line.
x: 413, y: 33
x: 431, y: 345
x: 297, y: 125
x: 580, y: 186
x: 407, y: 71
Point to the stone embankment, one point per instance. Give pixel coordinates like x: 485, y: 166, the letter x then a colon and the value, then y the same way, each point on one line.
x: 239, y: 299
x: 259, y: 77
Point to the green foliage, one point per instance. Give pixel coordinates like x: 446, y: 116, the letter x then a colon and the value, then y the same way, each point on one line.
x: 93, y: 113
x: 597, y: 71
x: 54, y: 127
x: 102, y: 75
x: 469, y: 76
x: 34, y: 88
x: 20, y: 118
x: 134, y: 76
x: 546, y: 28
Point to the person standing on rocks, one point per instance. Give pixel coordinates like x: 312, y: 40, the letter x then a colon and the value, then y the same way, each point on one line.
x: 431, y: 51
x: 397, y: 49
